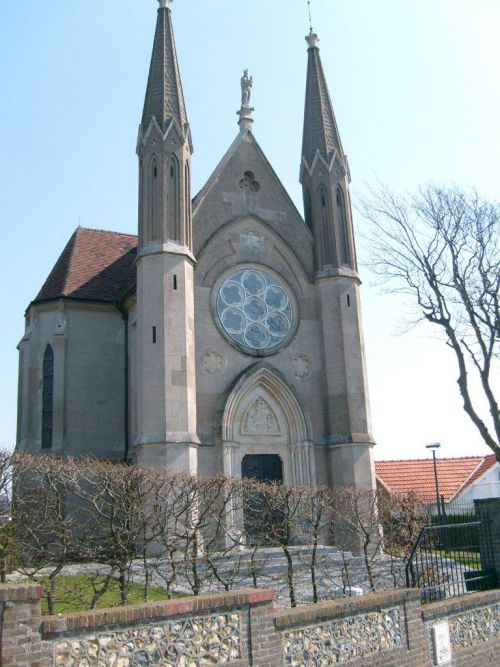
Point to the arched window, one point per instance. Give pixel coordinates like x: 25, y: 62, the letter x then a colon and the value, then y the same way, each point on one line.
x: 47, y: 397
x: 344, y: 232
x: 308, y: 210
x: 187, y: 204
x: 173, y: 219
x: 154, y: 204
x: 327, y: 231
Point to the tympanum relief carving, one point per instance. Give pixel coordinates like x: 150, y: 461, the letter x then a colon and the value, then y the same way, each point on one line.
x: 260, y: 419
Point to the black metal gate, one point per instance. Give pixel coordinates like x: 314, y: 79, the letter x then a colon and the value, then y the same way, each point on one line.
x: 452, y: 559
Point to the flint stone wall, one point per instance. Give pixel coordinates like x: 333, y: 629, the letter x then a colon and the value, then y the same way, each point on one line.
x: 242, y: 628
x: 474, y: 627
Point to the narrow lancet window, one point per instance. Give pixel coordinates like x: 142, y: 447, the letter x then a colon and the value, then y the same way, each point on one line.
x: 173, y: 200
x: 154, y: 201
x: 344, y: 232
x: 308, y: 209
x: 48, y: 397
x: 187, y: 205
x: 327, y: 230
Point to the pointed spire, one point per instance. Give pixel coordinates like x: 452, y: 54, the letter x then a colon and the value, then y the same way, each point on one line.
x: 164, y: 97
x: 320, y: 127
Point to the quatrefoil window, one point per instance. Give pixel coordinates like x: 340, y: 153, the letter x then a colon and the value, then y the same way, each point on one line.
x: 248, y: 182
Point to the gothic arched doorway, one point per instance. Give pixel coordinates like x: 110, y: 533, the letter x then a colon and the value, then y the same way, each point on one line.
x: 264, y: 421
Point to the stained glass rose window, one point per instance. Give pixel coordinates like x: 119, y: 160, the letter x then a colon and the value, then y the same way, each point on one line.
x: 255, y: 311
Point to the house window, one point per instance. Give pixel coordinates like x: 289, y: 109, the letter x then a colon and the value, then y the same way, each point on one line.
x: 47, y: 397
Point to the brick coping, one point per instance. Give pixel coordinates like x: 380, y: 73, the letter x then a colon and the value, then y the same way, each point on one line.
x: 330, y: 609
x: 20, y: 592
x: 460, y: 604
x: 53, y: 626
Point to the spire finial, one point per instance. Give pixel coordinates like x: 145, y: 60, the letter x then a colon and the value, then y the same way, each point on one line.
x: 245, y: 112
x: 310, y: 19
x: 165, y: 4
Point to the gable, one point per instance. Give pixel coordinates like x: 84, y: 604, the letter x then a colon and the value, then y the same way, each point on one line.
x: 244, y: 183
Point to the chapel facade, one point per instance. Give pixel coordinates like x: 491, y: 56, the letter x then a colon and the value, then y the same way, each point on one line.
x: 226, y: 337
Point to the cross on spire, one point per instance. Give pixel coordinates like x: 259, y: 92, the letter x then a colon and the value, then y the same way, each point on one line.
x: 310, y: 19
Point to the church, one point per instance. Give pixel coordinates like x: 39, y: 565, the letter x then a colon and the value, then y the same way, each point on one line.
x: 226, y: 337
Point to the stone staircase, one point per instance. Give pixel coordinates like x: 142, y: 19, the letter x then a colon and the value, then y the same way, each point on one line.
x: 337, y: 573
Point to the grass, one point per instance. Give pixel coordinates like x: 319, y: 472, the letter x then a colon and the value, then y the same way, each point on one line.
x: 74, y: 593
x: 470, y: 559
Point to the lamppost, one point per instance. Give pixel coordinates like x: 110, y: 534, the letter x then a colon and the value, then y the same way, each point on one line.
x: 434, y: 446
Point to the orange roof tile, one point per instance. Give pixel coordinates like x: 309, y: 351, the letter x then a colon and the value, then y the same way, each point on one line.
x: 95, y: 265
x: 418, y: 475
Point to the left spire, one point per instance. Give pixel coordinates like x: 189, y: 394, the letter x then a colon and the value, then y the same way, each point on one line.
x: 164, y: 96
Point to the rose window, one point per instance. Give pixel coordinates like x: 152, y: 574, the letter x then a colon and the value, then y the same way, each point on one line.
x: 255, y: 311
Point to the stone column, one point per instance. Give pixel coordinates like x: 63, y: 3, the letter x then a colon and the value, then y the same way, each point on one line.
x: 303, y: 467
x: 229, y: 459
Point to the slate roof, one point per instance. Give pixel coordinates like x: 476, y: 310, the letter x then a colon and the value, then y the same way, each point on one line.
x: 95, y: 265
x: 454, y: 475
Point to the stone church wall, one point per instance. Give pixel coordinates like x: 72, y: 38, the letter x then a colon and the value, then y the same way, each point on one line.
x: 89, y: 381
x: 95, y: 385
x: 46, y: 325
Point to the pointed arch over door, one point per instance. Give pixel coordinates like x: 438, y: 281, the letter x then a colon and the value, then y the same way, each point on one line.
x: 264, y: 416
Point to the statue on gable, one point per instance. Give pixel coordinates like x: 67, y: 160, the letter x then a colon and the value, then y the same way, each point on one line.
x: 246, y: 89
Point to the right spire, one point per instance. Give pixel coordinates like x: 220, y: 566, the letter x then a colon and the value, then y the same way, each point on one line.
x: 324, y: 175
x: 321, y: 133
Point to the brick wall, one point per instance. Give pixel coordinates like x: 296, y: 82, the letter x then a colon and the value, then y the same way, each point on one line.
x: 20, y: 641
x: 242, y: 628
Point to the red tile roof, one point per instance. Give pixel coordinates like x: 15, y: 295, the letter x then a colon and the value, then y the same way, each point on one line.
x: 417, y: 475
x: 95, y: 265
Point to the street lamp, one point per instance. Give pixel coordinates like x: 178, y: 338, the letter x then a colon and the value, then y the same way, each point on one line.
x: 434, y: 446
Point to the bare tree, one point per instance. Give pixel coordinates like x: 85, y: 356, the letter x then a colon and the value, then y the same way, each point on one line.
x: 358, y: 523
x: 7, y: 530
x: 115, y: 500
x: 317, y: 514
x: 47, y: 535
x: 402, y: 517
x: 441, y: 246
x: 277, y: 512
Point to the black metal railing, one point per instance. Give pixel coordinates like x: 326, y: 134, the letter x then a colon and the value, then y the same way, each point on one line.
x: 452, y: 559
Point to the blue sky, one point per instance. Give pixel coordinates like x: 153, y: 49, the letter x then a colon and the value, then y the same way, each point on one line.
x: 416, y: 92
